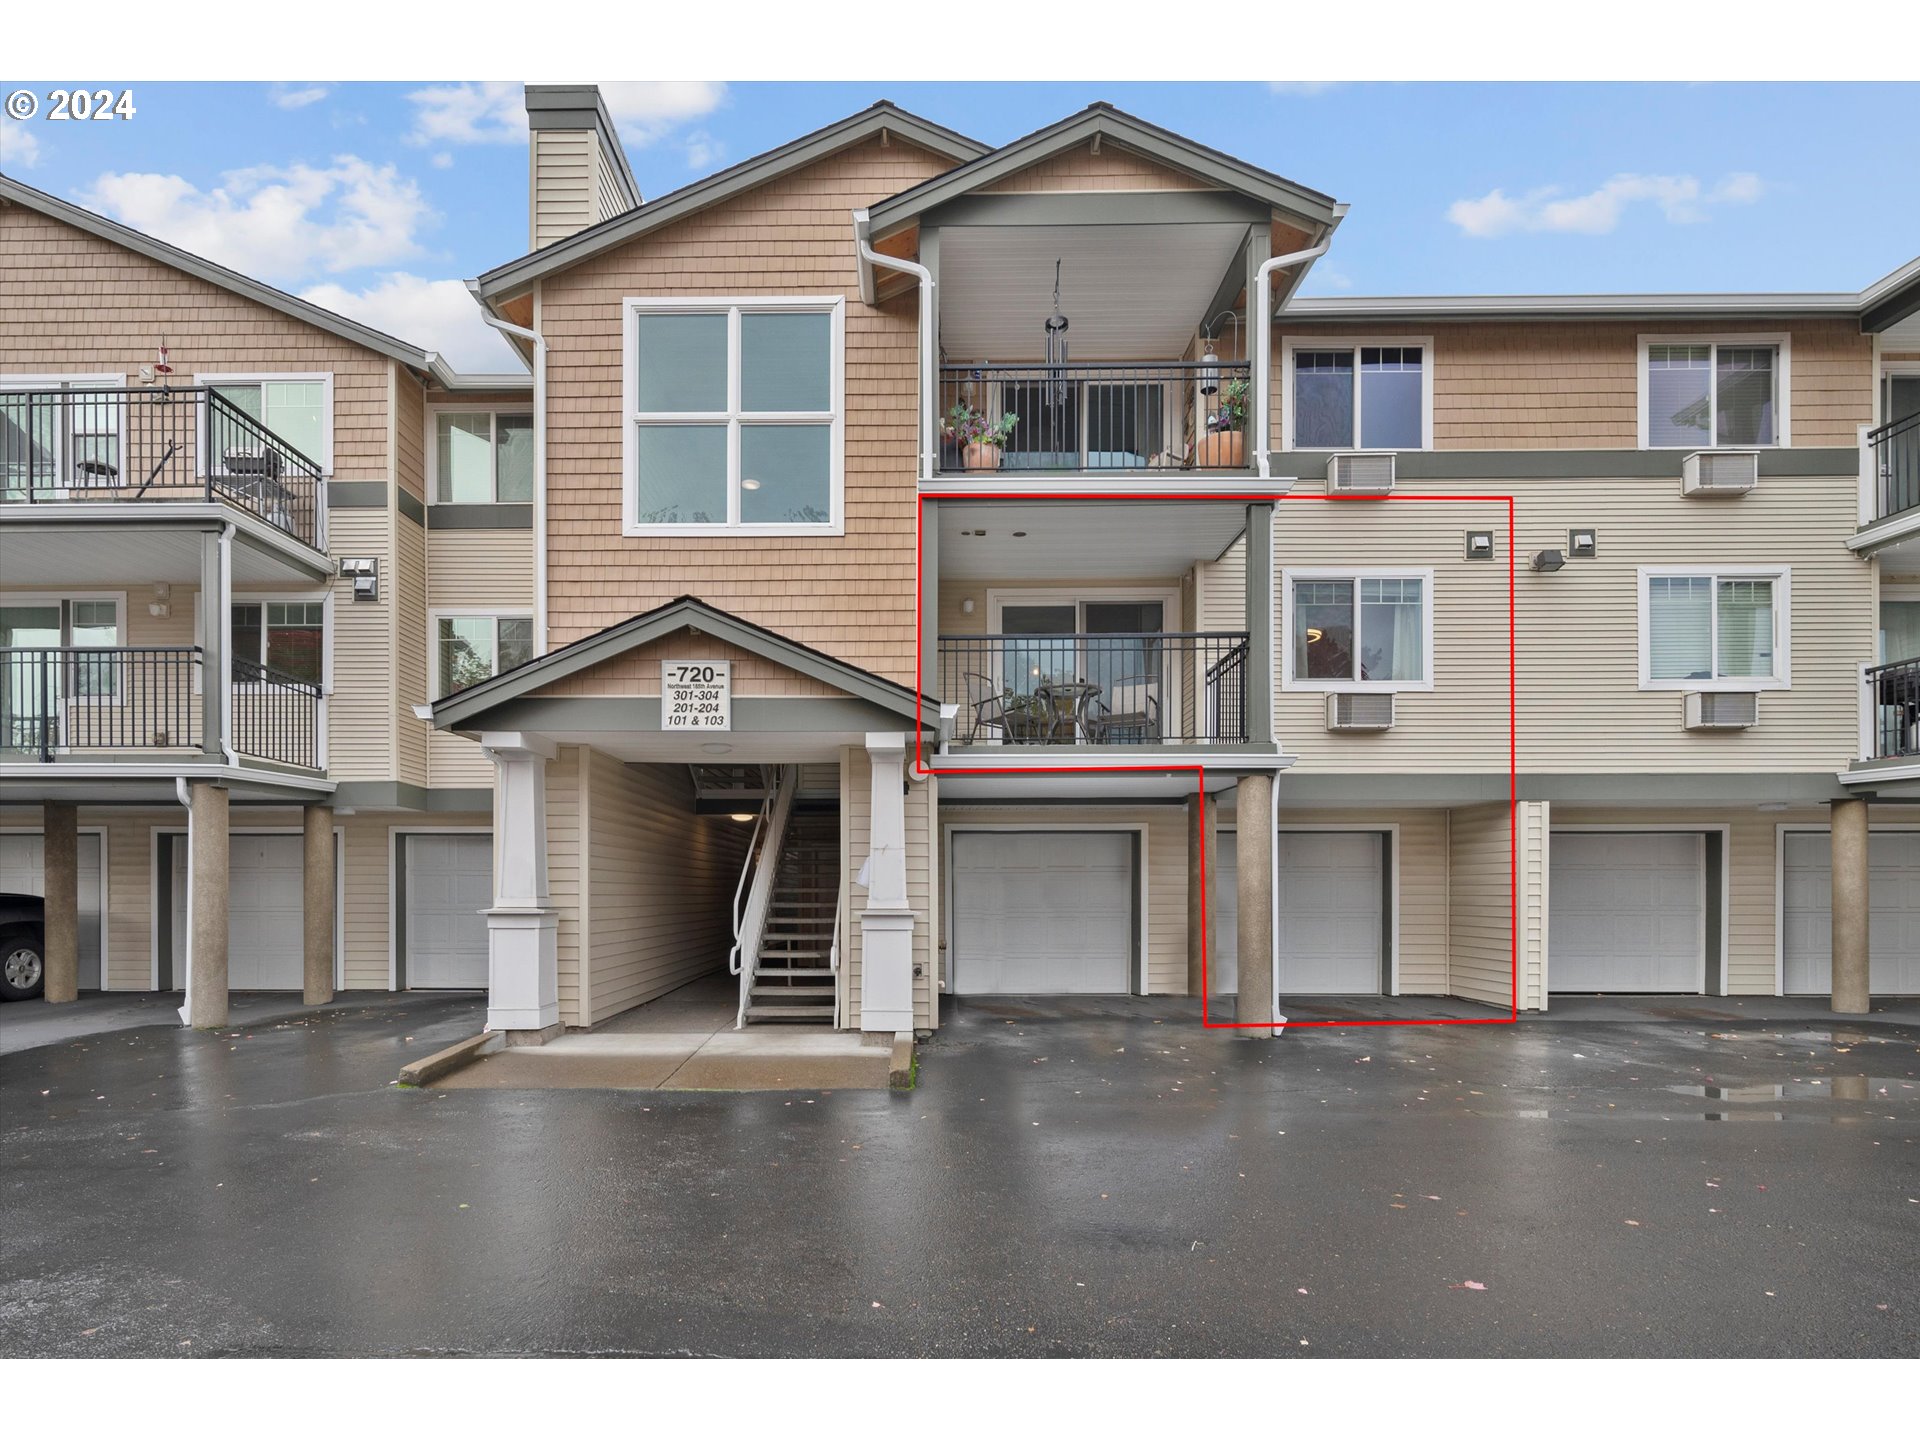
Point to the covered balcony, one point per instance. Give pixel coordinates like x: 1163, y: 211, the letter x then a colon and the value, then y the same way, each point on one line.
x: 1893, y: 705
x: 77, y: 449
x: 1895, y: 451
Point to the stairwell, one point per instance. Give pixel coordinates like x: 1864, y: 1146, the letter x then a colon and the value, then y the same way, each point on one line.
x: 793, y: 979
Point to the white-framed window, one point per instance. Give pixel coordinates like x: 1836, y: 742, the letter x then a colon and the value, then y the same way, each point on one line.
x: 72, y: 621
x: 479, y: 455
x: 1357, y: 629
x: 470, y: 646
x: 1706, y: 392
x: 288, y: 637
x: 296, y: 408
x: 1715, y: 628
x: 735, y: 415
x: 1365, y: 393
x: 55, y: 437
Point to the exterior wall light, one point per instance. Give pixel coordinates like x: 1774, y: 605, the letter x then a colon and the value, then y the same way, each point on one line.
x: 364, y: 571
x: 1583, y: 543
x: 1545, y: 562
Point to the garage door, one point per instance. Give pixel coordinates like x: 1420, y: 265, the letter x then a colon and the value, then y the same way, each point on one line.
x: 1629, y: 913
x: 21, y: 856
x: 449, y: 882
x: 1332, y: 913
x: 266, y: 898
x: 1042, y: 913
x: 1893, y: 890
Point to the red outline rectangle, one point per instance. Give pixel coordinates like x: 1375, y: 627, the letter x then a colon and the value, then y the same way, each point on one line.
x: 1200, y: 770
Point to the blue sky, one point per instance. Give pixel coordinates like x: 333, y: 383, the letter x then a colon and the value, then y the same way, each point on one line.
x: 377, y: 199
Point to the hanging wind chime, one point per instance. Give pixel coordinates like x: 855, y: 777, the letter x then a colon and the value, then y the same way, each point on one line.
x: 1056, y: 347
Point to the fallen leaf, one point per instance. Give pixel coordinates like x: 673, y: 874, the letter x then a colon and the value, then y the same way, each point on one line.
x: 1468, y: 1285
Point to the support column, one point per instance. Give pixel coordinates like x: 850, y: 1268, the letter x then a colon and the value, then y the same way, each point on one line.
x: 1203, y: 828
x: 1254, y: 839
x: 886, y: 925
x: 207, y: 907
x: 216, y: 679
x: 317, y: 855
x: 1850, y: 933
x: 1257, y: 677
x: 60, y: 884
x: 523, y: 969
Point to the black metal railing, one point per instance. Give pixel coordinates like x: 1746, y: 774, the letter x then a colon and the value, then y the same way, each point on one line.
x: 1895, y: 693
x: 1135, y: 689
x: 1896, y: 465
x: 1176, y: 415
x: 165, y: 443
x: 76, y: 700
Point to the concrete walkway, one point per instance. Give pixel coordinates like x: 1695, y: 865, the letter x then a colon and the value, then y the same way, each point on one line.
x: 30, y: 1024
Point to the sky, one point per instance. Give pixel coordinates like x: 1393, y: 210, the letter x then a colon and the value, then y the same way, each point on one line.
x: 380, y: 200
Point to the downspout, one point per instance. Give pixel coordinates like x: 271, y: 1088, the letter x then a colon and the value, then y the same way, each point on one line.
x: 186, y: 970
x: 534, y: 338
x: 929, y: 362
x: 1262, y: 343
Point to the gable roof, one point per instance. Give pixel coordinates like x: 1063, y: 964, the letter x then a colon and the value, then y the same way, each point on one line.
x: 516, y: 275
x: 176, y: 258
x: 464, y: 706
x: 1101, y: 120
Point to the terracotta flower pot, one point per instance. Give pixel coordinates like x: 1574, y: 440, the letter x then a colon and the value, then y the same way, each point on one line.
x: 1221, y: 450
x: 981, y: 456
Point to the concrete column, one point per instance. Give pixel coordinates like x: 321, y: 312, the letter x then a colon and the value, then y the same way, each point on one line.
x: 523, y: 968
x: 317, y: 853
x: 60, y: 884
x: 1254, y: 838
x: 1850, y: 934
x: 207, y: 906
x: 1203, y: 828
x: 886, y: 925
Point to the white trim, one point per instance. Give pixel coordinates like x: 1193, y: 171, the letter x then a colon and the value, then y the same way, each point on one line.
x: 1782, y: 578
x: 1782, y: 387
x: 154, y: 833
x: 1355, y: 343
x: 264, y: 377
x: 106, y: 877
x: 1670, y: 827
x: 1143, y: 867
x: 264, y: 598
x: 431, y: 446
x: 394, y: 835
x: 1283, y: 636
x: 470, y: 612
x: 631, y: 308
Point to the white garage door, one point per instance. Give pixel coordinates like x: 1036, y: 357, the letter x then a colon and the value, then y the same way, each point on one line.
x: 1042, y: 913
x: 1331, y: 917
x: 266, y: 898
x: 1628, y: 913
x: 1893, y: 891
x: 449, y: 882
x: 21, y: 857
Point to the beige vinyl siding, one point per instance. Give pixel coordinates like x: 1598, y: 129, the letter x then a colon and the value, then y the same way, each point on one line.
x: 850, y: 595
x: 1535, y: 819
x: 409, y: 432
x: 567, y: 805
x: 1573, y: 385
x: 608, y: 196
x: 410, y: 648
x: 1223, y: 590
x: 1481, y: 903
x: 361, y: 716
x: 856, y: 829
x: 1114, y: 167
x: 659, y: 884
x: 489, y: 570
x: 1163, y: 861
x: 563, y: 165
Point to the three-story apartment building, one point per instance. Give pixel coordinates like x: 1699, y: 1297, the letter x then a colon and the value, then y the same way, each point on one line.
x: 910, y: 566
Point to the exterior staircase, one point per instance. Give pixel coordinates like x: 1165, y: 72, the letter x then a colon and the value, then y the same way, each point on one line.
x: 793, y: 969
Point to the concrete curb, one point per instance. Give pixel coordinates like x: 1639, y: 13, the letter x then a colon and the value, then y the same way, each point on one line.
x: 900, y: 1066
x: 445, y: 1062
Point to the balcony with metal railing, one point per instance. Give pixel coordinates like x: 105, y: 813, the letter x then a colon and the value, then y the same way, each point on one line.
x: 1895, y: 448
x: 77, y: 703
x: 112, y: 446
x: 1893, y: 708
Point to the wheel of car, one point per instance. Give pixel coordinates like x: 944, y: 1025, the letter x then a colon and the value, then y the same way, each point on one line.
x: 23, y: 965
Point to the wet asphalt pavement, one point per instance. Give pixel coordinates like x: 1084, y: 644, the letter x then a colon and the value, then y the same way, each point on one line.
x: 1106, y: 1184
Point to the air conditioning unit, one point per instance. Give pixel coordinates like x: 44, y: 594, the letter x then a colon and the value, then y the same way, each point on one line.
x: 1722, y: 709
x: 1348, y: 711
x: 1361, y: 473
x: 1719, y: 472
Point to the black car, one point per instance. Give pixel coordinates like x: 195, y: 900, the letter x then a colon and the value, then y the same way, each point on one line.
x: 23, y: 946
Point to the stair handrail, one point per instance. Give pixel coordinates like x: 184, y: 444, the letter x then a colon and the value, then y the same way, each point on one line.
x: 833, y: 962
x: 746, y: 869
x: 746, y: 940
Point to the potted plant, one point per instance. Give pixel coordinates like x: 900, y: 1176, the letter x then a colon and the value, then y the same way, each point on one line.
x: 978, y: 437
x: 1223, y: 447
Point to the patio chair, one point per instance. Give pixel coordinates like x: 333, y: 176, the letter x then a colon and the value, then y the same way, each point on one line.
x: 988, y: 702
x: 1128, y: 713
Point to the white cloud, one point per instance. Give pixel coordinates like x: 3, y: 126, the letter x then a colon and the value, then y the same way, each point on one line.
x: 1681, y: 200
x: 279, y: 223
x: 434, y: 314
x: 1301, y: 87
x: 494, y: 112
x: 442, y: 160
x: 704, y: 152
x: 298, y: 97
x: 647, y: 109
x: 19, y: 146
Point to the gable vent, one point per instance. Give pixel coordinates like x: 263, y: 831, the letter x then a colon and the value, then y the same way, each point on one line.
x: 1722, y: 709
x: 1360, y: 474
x: 1360, y: 712
x: 1719, y: 472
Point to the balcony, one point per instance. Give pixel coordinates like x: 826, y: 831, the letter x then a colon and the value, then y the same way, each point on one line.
x: 135, y: 702
x: 1894, y: 693
x: 1101, y: 690
x: 1109, y: 418
x: 110, y: 446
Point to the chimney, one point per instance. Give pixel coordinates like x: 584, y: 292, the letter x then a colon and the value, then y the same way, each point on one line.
x: 579, y: 172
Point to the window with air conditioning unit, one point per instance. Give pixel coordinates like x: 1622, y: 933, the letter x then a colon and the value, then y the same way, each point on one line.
x: 1720, y: 709
x: 1359, y: 710
x: 1357, y: 633
x: 1706, y: 474
x: 1360, y: 474
x: 1709, y: 631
